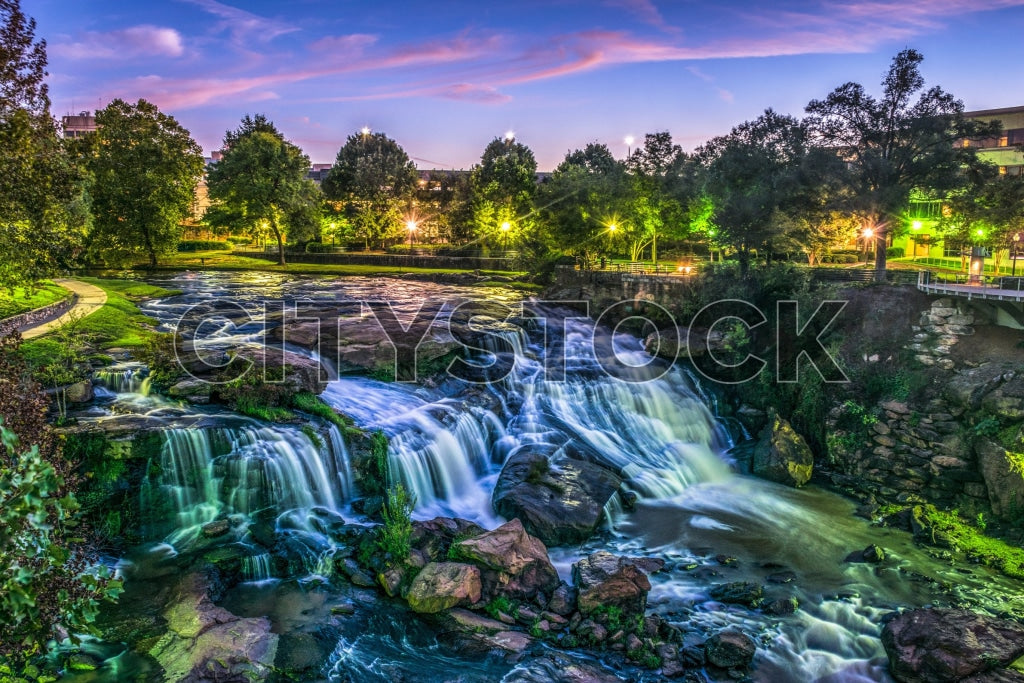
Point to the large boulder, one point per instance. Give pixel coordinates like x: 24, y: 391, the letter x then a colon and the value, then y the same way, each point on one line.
x: 561, y: 503
x: 79, y: 392
x: 293, y: 372
x: 683, y: 343
x: 605, y: 580
x: 205, y: 642
x: 443, y: 585
x: 782, y: 455
x: 938, y: 645
x: 1003, y: 472
x: 514, y: 563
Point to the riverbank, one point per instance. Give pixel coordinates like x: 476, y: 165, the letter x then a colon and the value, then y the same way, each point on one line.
x: 23, y: 299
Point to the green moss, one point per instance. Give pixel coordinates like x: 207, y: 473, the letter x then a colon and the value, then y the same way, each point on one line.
x: 948, y: 529
x: 253, y: 407
x: 314, y: 405
x: 500, y: 604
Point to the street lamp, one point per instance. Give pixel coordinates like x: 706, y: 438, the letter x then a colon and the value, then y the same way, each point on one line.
x: 411, y: 227
x: 1013, y: 255
x: 629, y: 144
x: 510, y: 137
x: 365, y: 131
x: 868, y: 234
x: 505, y: 227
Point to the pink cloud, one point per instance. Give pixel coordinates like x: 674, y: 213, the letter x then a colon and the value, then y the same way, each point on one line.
x: 243, y: 26
x: 135, y: 41
x: 347, y: 45
x: 484, y: 94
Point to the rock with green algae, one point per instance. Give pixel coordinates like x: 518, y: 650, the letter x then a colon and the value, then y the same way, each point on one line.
x: 782, y: 455
x: 443, y: 585
x: 205, y: 642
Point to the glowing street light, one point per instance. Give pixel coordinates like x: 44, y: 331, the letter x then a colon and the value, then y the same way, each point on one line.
x: 510, y: 137
x: 505, y: 227
x: 916, y: 225
x: 365, y: 130
x: 868, y: 233
x: 629, y: 144
x: 1013, y: 255
x: 411, y: 227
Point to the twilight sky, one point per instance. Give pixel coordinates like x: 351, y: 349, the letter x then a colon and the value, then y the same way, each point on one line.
x: 445, y: 77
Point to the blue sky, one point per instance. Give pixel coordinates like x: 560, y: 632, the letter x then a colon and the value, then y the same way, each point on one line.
x: 445, y: 77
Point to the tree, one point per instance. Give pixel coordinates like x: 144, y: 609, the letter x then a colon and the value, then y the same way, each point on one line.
x: 144, y: 167
x: 504, y: 185
x: 376, y: 179
x: 662, y: 188
x: 42, y: 211
x: 895, y: 144
x: 260, y: 182
x: 585, y: 197
x: 987, y: 210
x: 751, y: 177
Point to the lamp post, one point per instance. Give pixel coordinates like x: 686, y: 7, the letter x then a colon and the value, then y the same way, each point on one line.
x: 868, y: 234
x: 411, y: 227
x: 505, y: 227
x: 629, y: 145
x: 1013, y: 254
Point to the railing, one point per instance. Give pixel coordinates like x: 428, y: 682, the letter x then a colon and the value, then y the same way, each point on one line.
x: 1007, y: 287
x: 392, y: 260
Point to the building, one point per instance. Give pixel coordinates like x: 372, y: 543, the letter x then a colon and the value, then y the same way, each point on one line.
x: 318, y: 173
x: 920, y: 240
x: 76, y: 126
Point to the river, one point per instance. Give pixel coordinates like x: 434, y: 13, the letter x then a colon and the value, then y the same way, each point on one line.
x: 447, y: 446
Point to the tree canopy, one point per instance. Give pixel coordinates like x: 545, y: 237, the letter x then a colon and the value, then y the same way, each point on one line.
x: 144, y: 168
x: 504, y: 184
x: 260, y: 183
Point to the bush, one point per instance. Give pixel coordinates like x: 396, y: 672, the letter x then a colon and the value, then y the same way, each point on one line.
x: 204, y: 245
x: 895, y: 252
x: 394, y: 537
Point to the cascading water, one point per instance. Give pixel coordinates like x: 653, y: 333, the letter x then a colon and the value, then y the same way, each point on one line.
x: 123, y: 378
x: 222, y: 472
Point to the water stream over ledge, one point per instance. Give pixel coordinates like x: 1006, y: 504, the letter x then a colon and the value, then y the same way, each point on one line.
x: 448, y: 444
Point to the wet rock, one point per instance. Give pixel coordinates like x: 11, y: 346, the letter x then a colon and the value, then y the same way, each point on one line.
x: 782, y: 607
x: 871, y: 555
x: 473, y: 622
x: 592, y: 631
x: 729, y: 649
x: 782, y: 455
x: 300, y: 374
x: 1004, y: 478
x: 560, y: 503
x: 936, y: 645
x: 192, y: 390
x: 79, y: 392
x: 597, y: 567
x: 563, y: 600
x: 625, y: 589
x: 216, y: 528
x: 739, y: 593
x: 443, y: 585
x: 351, y: 569
x: 785, y: 576
x: 434, y: 537
x: 514, y: 563
x: 205, y: 642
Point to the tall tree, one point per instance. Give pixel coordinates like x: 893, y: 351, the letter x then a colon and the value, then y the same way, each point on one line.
x: 144, y: 168
x: 374, y: 176
x: 902, y: 141
x: 662, y: 188
x: 42, y: 210
x: 504, y: 185
x: 751, y: 176
x: 260, y: 182
x: 586, y: 196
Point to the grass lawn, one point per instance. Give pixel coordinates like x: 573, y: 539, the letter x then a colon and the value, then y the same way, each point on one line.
x: 23, y: 299
x: 118, y: 324
x: 219, y: 260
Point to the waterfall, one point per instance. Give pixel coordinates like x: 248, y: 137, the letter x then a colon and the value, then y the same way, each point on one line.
x: 125, y: 378
x: 208, y: 474
x: 256, y: 567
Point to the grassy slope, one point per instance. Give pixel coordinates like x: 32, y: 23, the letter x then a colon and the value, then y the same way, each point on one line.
x: 23, y: 299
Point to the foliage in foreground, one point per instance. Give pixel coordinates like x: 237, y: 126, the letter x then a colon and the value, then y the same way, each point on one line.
x: 394, y: 537
x: 46, y: 580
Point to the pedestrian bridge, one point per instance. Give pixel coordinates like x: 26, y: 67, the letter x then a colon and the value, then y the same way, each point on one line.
x: 1002, y: 298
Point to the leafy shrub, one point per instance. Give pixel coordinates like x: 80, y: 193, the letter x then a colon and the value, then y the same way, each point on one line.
x: 321, y: 248
x: 895, y: 252
x: 394, y: 538
x: 204, y: 245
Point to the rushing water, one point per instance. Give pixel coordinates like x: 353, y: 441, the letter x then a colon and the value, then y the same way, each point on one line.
x: 448, y: 444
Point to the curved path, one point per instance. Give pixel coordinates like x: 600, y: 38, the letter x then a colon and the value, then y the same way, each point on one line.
x: 90, y: 299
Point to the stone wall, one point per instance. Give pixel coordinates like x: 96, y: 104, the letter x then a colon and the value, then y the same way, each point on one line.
x: 950, y: 446
x: 38, y: 315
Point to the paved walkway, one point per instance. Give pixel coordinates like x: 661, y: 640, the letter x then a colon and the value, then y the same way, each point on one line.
x: 90, y: 299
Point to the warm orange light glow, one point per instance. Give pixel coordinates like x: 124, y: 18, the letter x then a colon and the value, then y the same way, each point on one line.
x: 868, y: 233
x: 410, y: 225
